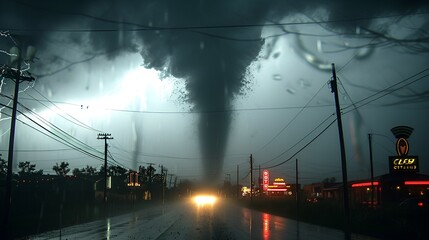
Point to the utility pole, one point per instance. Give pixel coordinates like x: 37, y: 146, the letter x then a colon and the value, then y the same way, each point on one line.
x: 171, y: 177
x: 297, y: 189
x: 16, y: 75
x: 238, y: 187
x: 259, y: 178
x: 297, y: 197
x: 163, y: 181
x: 105, y: 137
x: 372, y: 168
x: 251, y: 178
x: 334, y: 89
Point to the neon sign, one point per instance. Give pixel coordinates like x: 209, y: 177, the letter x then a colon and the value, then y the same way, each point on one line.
x: 402, y: 162
x: 407, y: 164
x: 416, y: 182
x: 265, y: 179
x: 364, y: 184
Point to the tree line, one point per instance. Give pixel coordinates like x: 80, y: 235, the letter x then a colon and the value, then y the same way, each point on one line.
x: 27, y: 169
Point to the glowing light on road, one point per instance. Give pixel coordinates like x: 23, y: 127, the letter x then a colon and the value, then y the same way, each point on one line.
x: 266, y: 226
x: 201, y: 200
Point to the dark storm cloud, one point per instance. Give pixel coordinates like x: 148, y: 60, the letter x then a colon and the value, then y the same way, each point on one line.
x: 211, y: 62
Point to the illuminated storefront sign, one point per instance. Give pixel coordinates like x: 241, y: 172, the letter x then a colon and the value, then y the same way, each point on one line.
x: 402, y: 162
x: 407, y: 164
x: 133, y: 179
x: 265, y: 179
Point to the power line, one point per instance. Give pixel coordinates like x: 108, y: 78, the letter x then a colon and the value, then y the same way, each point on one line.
x: 74, y: 120
x: 53, y: 135
x: 190, y: 112
x: 388, y: 90
x: 143, y: 28
x: 39, y: 150
x: 306, y: 145
x: 114, y: 160
x: 349, y: 111
x: 302, y: 139
x: 60, y: 131
x: 293, y: 119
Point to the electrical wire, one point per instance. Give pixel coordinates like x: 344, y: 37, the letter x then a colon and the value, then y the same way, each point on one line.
x: 302, y: 139
x: 293, y: 119
x: 142, y: 28
x: 74, y: 120
x: 386, y: 91
x: 52, y: 135
x: 60, y: 131
x: 306, y: 145
x: 114, y: 160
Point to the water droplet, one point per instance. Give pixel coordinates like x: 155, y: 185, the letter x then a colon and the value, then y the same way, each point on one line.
x: 276, y: 55
x: 202, y: 45
x: 303, y: 83
x: 166, y: 16
x: 277, y: 77
x: 291, y: 91
x: 49, y: 92
x: 363, y: 52
x: 319, y: 46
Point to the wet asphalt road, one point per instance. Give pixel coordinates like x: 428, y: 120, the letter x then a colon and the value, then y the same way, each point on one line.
x: 187, y: 220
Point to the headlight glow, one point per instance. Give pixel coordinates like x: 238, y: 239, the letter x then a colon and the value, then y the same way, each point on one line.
x: 204, y: 200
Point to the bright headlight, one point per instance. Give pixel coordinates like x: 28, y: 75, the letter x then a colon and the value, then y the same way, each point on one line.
x: 204, y: 199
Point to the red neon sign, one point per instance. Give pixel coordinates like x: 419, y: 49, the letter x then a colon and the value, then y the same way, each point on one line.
x: 265, y: 179
x: 364, y: 184
x: 416, y: 183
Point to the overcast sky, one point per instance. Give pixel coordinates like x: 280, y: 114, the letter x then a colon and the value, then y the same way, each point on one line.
x: 198, y: 86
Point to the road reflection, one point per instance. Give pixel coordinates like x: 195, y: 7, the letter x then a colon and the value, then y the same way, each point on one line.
x: 189, y: 220
x: 262, y: 225
x: 108, y: 228
x: 266, y: 226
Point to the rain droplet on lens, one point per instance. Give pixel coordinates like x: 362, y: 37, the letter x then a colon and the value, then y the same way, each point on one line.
x: 276, y: 55
x: 277, y: 77
x: 303, y: 83
x: 319, y: 45
x: 202, y: 45
x: 291, y: 91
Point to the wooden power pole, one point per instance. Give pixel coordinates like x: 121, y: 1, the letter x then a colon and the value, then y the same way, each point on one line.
x: 334, y: 89
x: 105, y: 137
